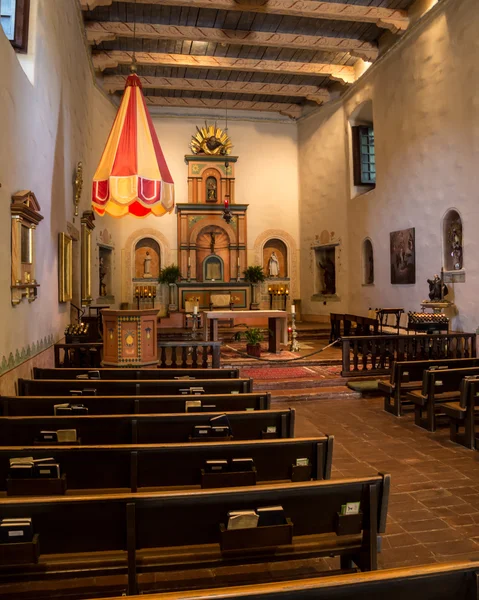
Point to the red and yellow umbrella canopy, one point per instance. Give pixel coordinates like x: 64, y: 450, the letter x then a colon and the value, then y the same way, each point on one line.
x: 133, y: 177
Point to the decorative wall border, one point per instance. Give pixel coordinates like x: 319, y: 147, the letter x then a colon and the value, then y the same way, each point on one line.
x: 24, y: 354
x: 288, y: 239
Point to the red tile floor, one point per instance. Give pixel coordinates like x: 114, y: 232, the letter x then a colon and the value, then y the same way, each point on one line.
x: 434, y: 505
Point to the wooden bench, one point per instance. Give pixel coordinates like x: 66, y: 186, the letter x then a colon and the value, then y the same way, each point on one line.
x: 438, y: 386
x: 62, y: 387
x: 146, y: 429
x: 407, y: 376
x: 19, y: 406
x: 136, y: 468
x: 143, y: 534
x: 443, y: 581
x: 43, y: 373
x: 463, y: 413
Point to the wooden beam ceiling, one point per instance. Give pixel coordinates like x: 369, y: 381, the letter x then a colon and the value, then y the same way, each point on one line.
x: 110, y: 60
x: 101, y: 31
x: 113, y: 83
x: 293, y: 111
x: 393, y: 19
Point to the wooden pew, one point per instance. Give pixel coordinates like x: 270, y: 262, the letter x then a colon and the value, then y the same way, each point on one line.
x: 438, y: 386
x: 62, y: 387
x: 407, y: 376
x: 463, y: 413
x: 145, y: 429
x: 135, y: 468
x: 43, y: 373
x: 19, y: 406
x: 443, y: 581
x: 87, y: 536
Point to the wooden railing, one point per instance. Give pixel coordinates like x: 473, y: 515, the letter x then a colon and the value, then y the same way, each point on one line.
x: 87, y: 355
x: 364, y: 325
x: 374, y: 355
x: 190, y: 354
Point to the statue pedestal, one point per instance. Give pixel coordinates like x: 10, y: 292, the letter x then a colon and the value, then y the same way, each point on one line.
x: 129, y: 338
x: 437, y: 307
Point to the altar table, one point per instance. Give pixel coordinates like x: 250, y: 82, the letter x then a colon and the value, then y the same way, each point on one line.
x: 277, y: 324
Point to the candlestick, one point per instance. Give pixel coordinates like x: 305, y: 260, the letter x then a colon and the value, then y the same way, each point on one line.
x: 195, y: 310
x: 293, y: 309
x: 189, y: 261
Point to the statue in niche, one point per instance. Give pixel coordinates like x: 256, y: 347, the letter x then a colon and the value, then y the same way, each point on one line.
x: 213, y: 242
x: 147, y: 265
x: 455, y: 241
x: 437, y: 289
x: 273, y: 265
x: 102, y: 271
x: 329, y: 276
x: 211, y: 189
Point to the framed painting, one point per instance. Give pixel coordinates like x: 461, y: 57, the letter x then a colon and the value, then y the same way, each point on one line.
x: 65, y: 265
x: 403, y: 256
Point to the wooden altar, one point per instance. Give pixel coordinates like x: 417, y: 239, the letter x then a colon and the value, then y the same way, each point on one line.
x: 129, y: 338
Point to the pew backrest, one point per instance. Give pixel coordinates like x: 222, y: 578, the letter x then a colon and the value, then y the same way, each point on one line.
x: 405, y: 371
x: 62, y: 387
x: 17, y: 406
x: 111, y: 373
x: 469, y: 393
x: 135, y: 467
x: 146, y: 429
x: 439, y: 381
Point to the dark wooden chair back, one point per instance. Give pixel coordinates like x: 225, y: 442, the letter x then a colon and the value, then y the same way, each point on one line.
x: 62, y: 387
x: 18, y: 406
x: 43, y: 373
x: 174, y: 465
x: 145, y: 429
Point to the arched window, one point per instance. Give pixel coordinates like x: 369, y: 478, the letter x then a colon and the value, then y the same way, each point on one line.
x: 368, y: 262
x: 453, y: 243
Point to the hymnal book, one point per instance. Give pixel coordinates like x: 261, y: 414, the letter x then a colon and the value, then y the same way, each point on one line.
x: 271, y: 429
x: 242, y: 519
x: 48, y: 436
x: 49, y: 470
x: 216, y: 466
x: 234, y: 392
x: 350, y: 508
x: 89, y: 391
x: 220, y: 421
x: 302, y: 462
x: 16, y: 530
x: 93, y: 374
x: 197, y: 390
x: 242, y: 464
x: 67, y: 435
x: 21, y: 470
x: 271, y: 515
x: 220, y: 431
x: 208, y: 407
x: 61, y: 409
x: 202, y: 431
x: 183, y: 377
x: 82, y: 376
x: 78, y: 409
x: 76, y: 393
x: 191, y: 405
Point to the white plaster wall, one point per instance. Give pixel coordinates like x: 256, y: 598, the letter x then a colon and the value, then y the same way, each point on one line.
x: 46, y: 129
x: 266, y: 179
x: 426, y: 120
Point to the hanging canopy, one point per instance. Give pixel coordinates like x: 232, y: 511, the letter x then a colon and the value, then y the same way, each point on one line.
x: 133, y: 177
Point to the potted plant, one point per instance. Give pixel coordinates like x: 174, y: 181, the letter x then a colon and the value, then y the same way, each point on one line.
x: 254, y: 275
x: 170, y: 275
x: 254, y: 337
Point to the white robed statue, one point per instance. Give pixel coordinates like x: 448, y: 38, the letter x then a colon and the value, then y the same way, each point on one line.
x: 146, y: 265
x: 273, y: 265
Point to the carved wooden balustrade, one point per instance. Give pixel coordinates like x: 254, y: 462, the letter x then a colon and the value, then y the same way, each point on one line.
x: 364, y: 325
x: 374, y: 355
x: 192, y: 354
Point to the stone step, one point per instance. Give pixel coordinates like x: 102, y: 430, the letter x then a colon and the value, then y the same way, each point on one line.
x: 297, y: 383
x: 339, y: 392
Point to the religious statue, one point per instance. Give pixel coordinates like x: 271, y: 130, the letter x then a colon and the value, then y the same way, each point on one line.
x: 455, y: 240
x: 437, y: 289
x: 211, y: 140
x: 329, y: 276
x: 102, y: 273
x: 273, y: 265
x: 211, y: 189
x: 146, y: 265
x: 213, y: 242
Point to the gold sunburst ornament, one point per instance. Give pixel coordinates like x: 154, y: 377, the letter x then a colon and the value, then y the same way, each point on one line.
x: 211, y: 140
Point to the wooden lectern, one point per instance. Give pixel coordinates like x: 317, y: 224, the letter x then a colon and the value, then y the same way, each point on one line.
x: 129, y: 338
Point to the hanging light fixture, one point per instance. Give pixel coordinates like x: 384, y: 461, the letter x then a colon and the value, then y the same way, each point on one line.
x: 227, y: 215
x: 133, y: 177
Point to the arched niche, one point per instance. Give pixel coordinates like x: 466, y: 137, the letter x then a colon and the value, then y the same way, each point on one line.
x: 213, y: 249
x: 212, y: 186
x: 147, y: 258
x: 213, y: 268
x: 275, y: 258
x: 368, y: 262
x: 452, y: 241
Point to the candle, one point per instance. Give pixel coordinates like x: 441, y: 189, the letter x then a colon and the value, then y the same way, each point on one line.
x: 293, y: 309
x: 189, y: 261
x: 195, y: 310
x: 238, y: 261
x: 227, y: 202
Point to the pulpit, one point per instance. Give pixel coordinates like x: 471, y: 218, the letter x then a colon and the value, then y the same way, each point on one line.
x: 129, y: 338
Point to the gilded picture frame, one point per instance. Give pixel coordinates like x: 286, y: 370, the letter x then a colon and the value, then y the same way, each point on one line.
x: 65, y: 265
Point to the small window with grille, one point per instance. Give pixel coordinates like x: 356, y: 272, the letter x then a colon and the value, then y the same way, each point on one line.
x: 364, y: 156
x: 14, y: 18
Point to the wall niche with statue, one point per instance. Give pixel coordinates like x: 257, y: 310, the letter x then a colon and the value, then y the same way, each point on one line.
x: 147, y: 259
x: 453, y: 247
x: 275, y: 259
